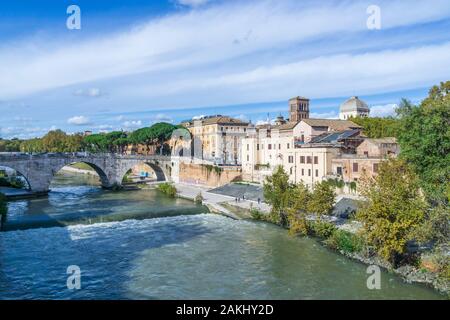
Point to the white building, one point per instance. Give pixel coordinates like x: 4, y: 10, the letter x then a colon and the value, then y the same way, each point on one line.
x: 292, y: 145
x: 353, y: 107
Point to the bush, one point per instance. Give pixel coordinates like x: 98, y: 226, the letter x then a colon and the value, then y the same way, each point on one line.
x: 344, y: 241
x: 323, y: 229
x: 438, y: 262
x: 256, y: 214
x: 168, y: 189
x: 299, y: 226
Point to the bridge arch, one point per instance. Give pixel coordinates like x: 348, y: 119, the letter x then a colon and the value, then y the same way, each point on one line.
x: 104, y: 180
x: 18, y: 173
x: 159, y: 169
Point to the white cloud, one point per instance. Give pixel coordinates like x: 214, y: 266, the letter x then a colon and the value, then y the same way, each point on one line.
x: 132, y: 124
x: 383, y: 110
x: 161, y: 117
x: 91, y: 92
x: 324, y: 115
x: 78, y: 120
x: 198, y: 40
x: 192, y: 3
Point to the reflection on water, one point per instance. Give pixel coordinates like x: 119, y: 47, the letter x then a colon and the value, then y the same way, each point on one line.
x: 196, y: 256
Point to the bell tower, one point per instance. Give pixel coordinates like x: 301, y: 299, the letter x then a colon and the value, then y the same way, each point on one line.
x: 298, y: 109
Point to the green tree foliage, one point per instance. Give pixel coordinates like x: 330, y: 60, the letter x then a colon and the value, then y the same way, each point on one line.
x: 435, y: 228
x: 344, y: 241
x: 393, y: 210
x: 378, y: 127
x: 156, y: 134
x: 424, y: 138
x: 32, y: 145
x: 59, y: 141
x: 322, y: 199
x: 299, y: 198
x: 277, y: 192
x: 114, y: 141
x: 12, y: 145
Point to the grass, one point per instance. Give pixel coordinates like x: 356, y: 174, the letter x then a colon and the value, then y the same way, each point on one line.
x: 168, y: 189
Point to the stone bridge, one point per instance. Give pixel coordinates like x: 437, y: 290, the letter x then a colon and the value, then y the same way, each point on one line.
x: 39, y: 170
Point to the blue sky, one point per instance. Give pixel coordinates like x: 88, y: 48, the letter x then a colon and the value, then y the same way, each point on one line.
x: 134, y: 63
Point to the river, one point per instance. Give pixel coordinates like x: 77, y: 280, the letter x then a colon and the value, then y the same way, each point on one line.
x: 143, y: 245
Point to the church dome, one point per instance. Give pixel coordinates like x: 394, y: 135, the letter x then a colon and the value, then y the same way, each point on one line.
x: 354, y: 104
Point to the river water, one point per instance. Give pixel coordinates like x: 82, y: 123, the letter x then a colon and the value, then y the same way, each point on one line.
x: 143, y: 245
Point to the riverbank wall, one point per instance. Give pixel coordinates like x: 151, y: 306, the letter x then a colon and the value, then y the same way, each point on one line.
x: 208, y: 175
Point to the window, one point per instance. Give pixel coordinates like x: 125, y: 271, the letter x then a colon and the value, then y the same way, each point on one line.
x: 375, y: 167
x: 279, y: 146
x: 290, y: 170
x: 303, y: 172
x: 248, y: 158
x: 308, y: 159
x: 339, y: 171
x: 316, y: 160
x: 317, y: 173
x: 270, y: 146
x: 288, y: 145
x: 355, y: 167
x: 302, y: 159
x: 248, y: 147
x: 291, y: 159
x: 309, y: 172
x: 257, y: 147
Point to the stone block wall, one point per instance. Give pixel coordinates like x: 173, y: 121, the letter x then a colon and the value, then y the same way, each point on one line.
x: 208, y: 175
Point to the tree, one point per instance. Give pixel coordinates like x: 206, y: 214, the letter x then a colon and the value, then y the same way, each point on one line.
x: 277, y: 190
x: 54, y: 141
x: 12, y: 145
x: 378, y: 127
x: 322, y: 199
x: 424, y: 138
x: 96, y: 143
x: 32, y: 145
x: 435, y: 227
x: 394, y: 208
x: 299, y: 198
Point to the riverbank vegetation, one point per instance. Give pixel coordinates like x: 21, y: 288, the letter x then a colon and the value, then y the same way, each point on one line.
x: 168, y: 189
